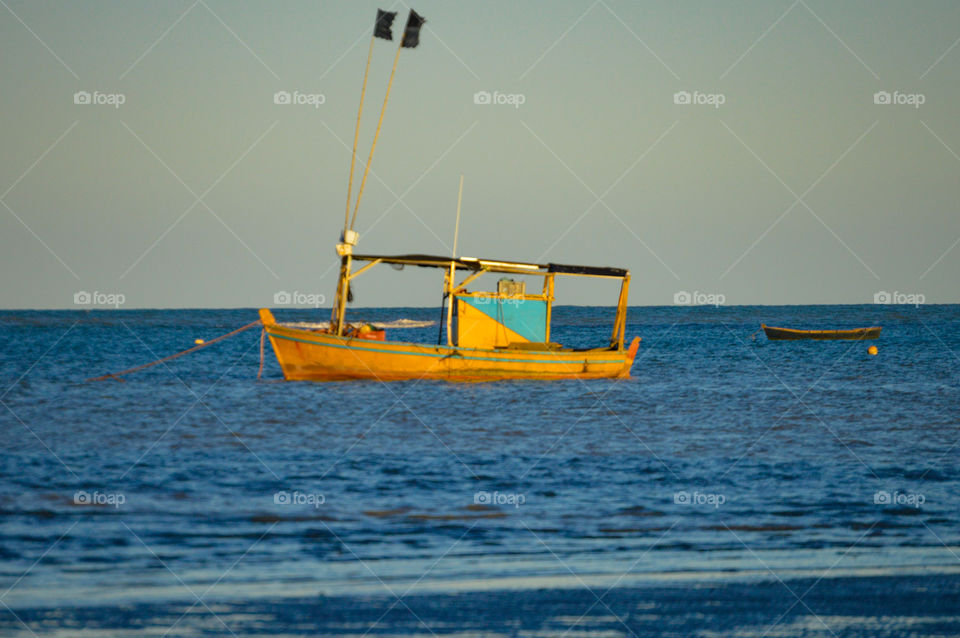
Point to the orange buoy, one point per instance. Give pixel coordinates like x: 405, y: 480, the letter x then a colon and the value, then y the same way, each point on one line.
x: 199, y: 342
x: 872, y: 350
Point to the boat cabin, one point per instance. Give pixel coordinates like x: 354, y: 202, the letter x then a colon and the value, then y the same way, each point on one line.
x: 508, y: 317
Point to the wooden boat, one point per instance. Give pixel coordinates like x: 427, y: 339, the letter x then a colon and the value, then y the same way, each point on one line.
x: 503, y: 334
x: 784, y: 334
x: 489, y: 335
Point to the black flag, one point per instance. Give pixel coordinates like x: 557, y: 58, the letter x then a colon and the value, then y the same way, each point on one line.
x: 384, y: 22
x: 411, y: 36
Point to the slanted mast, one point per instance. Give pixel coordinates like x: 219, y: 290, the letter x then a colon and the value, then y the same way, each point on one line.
x: 382, y: 29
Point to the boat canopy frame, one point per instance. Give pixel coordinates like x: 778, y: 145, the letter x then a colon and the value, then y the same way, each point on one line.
x: 495, y: 265
x: 478, y: 267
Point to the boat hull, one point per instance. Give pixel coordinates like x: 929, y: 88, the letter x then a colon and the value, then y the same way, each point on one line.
x: 789, y: 334
x: 306, y: 355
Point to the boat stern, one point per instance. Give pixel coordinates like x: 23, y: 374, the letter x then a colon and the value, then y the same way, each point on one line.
x: 631, y: 355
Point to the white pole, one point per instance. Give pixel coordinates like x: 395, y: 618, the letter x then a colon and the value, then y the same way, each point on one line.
x: 450, y: 278
x: 456, y: 228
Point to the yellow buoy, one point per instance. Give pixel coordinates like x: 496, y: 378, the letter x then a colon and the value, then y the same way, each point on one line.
x: 200, y: 342
x: 872, y: 350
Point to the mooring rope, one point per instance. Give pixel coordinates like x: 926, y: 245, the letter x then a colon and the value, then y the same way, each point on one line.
x: 117, y: 375
x: 263, y: 334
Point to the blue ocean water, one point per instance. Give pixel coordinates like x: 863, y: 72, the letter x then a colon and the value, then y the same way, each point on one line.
x: 726, y: 459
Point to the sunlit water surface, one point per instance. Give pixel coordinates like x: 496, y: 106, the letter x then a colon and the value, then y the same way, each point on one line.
x: 725, y: 457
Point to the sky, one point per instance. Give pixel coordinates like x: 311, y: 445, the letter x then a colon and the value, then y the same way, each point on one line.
x: 752, y: 152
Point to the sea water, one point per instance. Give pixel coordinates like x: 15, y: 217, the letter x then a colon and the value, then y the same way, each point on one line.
x: 726, y: 464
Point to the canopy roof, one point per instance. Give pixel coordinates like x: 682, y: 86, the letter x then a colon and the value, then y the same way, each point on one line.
x: 494, y: 265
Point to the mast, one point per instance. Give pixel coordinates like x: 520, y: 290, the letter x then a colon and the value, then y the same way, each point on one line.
x: 349, y: 237
x: 356, y: 134
x: 373, y: 147
x: 410, y: 39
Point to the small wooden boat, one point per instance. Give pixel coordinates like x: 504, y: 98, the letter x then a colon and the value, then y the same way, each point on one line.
x: 501, y: 334
x: 785, y: 334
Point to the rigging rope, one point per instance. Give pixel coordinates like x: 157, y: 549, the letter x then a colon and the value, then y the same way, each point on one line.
x: 117, y: 375
x: 263, y: 334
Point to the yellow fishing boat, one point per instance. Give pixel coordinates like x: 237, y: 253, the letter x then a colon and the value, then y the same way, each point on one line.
x: 489, y: 335
x: 500, y: 334
x: 504, y: 334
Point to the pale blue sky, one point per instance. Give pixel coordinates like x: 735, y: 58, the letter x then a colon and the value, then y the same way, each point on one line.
x: 599, y: 165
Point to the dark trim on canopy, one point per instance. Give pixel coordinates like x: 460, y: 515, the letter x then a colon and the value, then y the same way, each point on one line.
x: 599, y: 271
x: 494, y: 265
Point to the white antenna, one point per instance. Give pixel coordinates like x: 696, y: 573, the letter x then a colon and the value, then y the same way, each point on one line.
x: 456, y: 228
